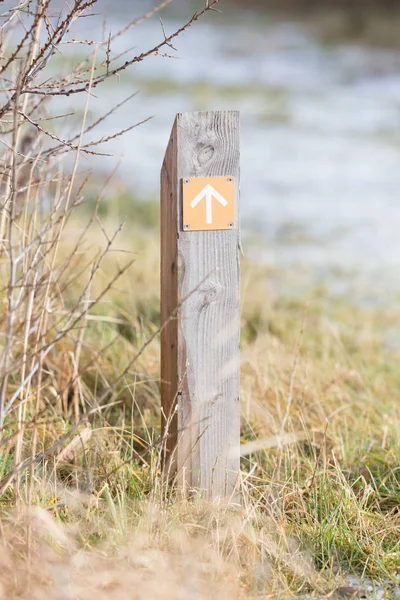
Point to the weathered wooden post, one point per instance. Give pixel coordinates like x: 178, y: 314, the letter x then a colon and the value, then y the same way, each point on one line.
x: 200, y: 277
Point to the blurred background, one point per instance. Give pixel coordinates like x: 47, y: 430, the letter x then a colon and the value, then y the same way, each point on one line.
x: 318, y: 87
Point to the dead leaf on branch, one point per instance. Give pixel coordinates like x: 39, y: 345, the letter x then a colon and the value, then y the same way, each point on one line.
x: 75, y: 446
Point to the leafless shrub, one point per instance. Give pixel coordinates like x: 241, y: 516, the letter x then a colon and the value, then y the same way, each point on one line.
x: 48, y: 288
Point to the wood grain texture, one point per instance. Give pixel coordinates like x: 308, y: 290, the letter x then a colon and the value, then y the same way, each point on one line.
x: 206, y: 289
x: 169, y: 301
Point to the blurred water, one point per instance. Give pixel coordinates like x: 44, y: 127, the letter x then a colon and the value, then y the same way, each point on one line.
x: 320, y: 132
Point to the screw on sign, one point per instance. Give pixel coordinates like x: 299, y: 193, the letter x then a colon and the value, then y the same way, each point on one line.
x: 208, y: 203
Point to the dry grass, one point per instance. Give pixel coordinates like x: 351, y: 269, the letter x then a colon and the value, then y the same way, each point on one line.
x: 311, y: 511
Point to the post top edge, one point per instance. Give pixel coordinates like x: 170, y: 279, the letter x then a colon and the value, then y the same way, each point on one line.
x: 207, y: 112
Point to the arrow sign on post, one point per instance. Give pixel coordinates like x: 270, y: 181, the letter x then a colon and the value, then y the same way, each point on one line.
x: 218, y: 196
x: 208, y: 193
x: 200, y: 304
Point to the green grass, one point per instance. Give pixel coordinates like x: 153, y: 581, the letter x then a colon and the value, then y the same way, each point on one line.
x: 312, y: 511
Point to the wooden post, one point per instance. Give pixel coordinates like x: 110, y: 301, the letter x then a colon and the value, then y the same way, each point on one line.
x: 200, y: 278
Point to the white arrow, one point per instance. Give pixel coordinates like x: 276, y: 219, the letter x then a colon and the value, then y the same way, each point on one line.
x: 208, y: 192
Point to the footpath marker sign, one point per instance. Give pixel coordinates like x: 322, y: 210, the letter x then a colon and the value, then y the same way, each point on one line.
x: 200, y: 303
x: 208, y: 203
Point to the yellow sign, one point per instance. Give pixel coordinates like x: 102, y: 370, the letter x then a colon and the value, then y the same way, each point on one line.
x: 208, y: 203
